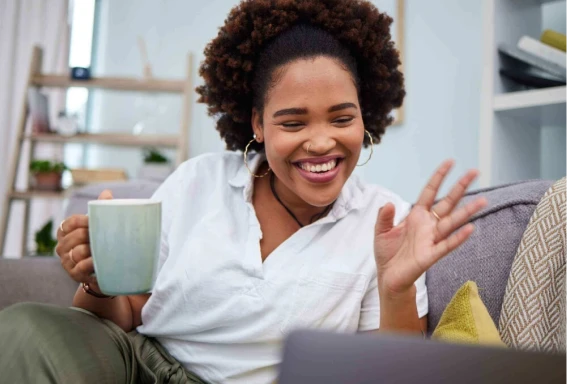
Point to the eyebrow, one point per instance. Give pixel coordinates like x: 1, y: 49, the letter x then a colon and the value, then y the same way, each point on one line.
x: 303, y: 111
x: 341, y: 106
x: 291, y: 111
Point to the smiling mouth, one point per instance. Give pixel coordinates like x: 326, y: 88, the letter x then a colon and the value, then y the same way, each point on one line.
x: 319, y: 168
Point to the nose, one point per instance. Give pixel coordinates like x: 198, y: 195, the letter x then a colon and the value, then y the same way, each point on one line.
x: 319, y: 144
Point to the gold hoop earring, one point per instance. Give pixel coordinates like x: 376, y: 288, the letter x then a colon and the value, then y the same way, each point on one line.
x: 246, y: 161
x: 371, y: 149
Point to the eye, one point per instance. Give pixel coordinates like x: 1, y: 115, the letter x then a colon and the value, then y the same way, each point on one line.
x: 343, y: 120
x: 292, y: 124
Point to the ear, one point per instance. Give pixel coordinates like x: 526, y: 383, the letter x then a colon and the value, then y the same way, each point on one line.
x: 257, y: 125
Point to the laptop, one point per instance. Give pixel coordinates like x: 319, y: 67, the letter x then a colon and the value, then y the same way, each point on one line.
x: 317, y: 357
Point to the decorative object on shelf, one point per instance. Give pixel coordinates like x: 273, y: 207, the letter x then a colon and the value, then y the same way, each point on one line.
x: 533, y: 63
x: 46, y: 175
x: 82, y: 176
x: 554, y: 39
x: 80, y: 73
x: 67, y: 125
x: 152, y: 155
x: 39, y: 111
x: 44, y: 241
x: 156, y: 166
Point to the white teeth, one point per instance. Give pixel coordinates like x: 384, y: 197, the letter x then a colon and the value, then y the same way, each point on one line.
x: 317, y: 168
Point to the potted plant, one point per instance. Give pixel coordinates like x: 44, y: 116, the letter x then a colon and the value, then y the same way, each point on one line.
x: 46, y: 175
x: 156, y: 166
x: 44, y: 242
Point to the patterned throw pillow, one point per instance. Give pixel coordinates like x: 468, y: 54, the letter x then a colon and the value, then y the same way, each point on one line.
x: 533, y: 310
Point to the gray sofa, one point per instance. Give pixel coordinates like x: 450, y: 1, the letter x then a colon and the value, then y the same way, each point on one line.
x: 486, y: 258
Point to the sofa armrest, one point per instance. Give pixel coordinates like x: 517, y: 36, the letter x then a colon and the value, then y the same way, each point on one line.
x: 37, y: 279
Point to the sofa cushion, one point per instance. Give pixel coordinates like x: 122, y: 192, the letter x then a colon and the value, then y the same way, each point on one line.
x: 39, y: 279
x: 487, y: 256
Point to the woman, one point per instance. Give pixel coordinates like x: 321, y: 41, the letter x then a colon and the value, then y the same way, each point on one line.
x: 279, y: 237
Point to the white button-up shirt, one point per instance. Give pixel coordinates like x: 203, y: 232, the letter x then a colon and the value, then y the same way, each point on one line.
x: 222, y: 312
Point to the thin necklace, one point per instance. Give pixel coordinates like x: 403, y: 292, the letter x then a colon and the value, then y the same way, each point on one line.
x: 313, y: 218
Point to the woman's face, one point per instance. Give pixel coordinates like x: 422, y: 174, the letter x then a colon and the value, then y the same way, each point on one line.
x: 312, y: 129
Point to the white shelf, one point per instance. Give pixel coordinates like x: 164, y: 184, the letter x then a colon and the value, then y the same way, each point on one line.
x: 529, y: 99
x: 536, y: 3
x: 548, y: 1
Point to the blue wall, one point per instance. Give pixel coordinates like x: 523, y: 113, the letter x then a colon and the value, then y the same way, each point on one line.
x: 553, y: 156
x: 442, y: 106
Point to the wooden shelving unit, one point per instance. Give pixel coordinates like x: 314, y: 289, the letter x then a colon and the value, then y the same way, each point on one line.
x: 512, y: 119
x: 28, y: 195
x: 179, y: 142
x: 111, y: 83
x: 116, y: 139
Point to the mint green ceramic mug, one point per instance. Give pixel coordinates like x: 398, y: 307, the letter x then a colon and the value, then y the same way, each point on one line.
x: 125, y: 242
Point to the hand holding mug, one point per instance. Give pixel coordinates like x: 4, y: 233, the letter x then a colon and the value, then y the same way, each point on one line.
x: 73, y: 246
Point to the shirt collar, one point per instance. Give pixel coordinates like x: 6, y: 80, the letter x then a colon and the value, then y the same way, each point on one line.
x: 350, y: 197
x: 243, y: 177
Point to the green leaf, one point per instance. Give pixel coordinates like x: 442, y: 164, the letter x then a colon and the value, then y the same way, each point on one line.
x: 152, y: 155
x: 45, y: 166
x: 45, y: 243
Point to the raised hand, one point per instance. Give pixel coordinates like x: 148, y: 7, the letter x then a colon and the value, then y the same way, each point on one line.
x: 404, y: 252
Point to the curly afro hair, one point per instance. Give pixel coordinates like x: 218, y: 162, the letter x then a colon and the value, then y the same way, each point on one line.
x: 260, y: 36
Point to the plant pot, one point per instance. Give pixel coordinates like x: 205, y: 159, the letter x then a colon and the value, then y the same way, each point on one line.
x: 46, y: 181
x: 155, y: 172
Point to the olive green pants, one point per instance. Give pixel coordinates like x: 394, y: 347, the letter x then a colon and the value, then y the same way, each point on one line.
x: 42, y: 343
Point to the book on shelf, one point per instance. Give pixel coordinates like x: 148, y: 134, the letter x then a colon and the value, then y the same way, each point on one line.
x: 39, y: 111
x: 554, y: 39
x: 529, y: 59
x: 531, y: 77
x: 535, y: 63
x: 543, y: 51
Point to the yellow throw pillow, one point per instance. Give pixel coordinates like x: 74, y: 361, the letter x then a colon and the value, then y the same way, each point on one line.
x: 466, y: 320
